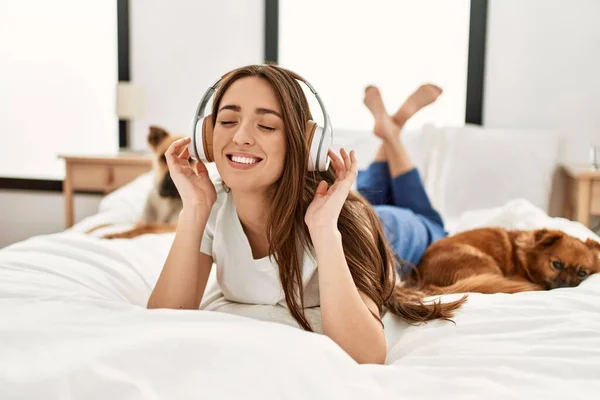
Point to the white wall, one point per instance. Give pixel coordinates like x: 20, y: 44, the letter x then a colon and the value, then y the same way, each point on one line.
x: 59, y: 70
x: 543, y: 69
x: 25, y: 214
x: 58, y: 63
x: 394, y: 44
x: 179, y: 48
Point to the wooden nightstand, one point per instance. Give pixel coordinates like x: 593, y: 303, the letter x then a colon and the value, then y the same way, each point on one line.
x: 99, y: 174
x: 582, y: 192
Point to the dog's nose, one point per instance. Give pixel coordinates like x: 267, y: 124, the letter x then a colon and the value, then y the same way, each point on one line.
x: 561, y: 283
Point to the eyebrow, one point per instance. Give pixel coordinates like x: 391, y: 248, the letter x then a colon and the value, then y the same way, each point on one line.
x: 231, y: 107
x: 259, y: 110
x: 267, y: 111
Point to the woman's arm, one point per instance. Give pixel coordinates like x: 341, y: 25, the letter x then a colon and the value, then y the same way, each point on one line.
x: 347, y: 315
x: 184, y: 276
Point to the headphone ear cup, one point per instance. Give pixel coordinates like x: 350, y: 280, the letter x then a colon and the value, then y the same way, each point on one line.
x: 309, y: 134
x: 317, y: 160
x: 207, y: 138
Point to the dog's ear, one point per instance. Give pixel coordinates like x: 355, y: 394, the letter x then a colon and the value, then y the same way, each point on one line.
x: 156, y: 135
x: 592, y: 244
x: 545, y: 238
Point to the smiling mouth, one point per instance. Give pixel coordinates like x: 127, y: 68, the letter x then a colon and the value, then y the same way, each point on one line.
x: 244, y: 160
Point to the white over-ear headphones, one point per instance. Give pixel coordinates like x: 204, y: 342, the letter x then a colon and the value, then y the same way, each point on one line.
x: 320, y: 139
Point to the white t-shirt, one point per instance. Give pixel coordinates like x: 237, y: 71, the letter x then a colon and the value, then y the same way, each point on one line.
x: 242, y: 278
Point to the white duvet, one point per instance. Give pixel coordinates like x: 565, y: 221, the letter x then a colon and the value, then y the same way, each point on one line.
x: 73, y: 325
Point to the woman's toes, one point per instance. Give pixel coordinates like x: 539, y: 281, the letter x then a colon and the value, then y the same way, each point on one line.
x: 422, y: 97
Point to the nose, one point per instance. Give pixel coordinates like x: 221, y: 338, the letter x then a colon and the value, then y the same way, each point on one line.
x: 562, y: 283
x: 243, y: 135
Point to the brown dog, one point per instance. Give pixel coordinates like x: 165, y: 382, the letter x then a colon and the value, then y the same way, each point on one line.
x: 491, y: 260
x: 163, y: 203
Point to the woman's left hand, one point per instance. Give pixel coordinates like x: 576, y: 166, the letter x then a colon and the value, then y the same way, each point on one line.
x: 324, y: 210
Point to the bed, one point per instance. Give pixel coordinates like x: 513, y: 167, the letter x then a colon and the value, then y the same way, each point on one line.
x: 73, y: 324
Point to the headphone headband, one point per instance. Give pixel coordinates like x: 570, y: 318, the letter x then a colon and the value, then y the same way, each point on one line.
x: 200, y: 114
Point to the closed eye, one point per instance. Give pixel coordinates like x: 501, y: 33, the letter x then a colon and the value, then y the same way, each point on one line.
x: 226, y: 123
x: 266, y: 128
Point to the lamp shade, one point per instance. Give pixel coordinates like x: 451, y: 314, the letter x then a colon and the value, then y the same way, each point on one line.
x: 130, y: 100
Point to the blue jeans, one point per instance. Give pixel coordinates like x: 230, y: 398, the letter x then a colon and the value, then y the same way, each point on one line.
x: 409, y: 221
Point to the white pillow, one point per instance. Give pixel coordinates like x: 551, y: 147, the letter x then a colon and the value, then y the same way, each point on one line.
x: 521, y: 214
x: 418, y: 143
x: 474, y: 168
x: 130, y: 198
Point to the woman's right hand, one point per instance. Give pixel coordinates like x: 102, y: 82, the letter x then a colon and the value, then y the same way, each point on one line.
x: 193, y: 183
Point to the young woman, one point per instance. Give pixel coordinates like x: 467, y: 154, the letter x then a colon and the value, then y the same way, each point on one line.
x: 280, y: 234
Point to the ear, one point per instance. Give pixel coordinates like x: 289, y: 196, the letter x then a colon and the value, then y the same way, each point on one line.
x: 545, y: 238
x: 592, y: 244
x: 156, y: 135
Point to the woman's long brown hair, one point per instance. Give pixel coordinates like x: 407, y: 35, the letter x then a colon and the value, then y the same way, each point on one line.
x: 370, y: 259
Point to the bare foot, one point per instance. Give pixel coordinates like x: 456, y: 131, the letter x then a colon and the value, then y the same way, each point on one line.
x: 423, y: 96
x: 384, y: 127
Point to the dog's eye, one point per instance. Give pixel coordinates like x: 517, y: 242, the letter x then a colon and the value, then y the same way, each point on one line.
x: 558, y: 265
x: 582, y: 273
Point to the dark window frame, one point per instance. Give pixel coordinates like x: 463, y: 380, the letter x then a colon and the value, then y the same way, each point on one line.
x: 476, y: 63
x: 124, y: 58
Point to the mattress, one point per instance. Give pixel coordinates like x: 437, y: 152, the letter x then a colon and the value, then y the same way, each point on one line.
x: 73, y: 324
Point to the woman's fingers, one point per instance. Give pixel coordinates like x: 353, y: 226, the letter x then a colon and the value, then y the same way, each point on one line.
x: 170, y: 155
x: 321, y: 189
x: 184, y: 157
x: 347, y: 166
x: 338, y: 165
x: 334, y: 158
x: 200, y: 168
x: 176, y: 146
x: 185, y: 153
x: 347, y: 163
x: 175, y: 151
x: 354, y: 161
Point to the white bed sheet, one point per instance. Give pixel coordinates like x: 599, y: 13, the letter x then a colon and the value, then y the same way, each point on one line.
x: 73, y: 325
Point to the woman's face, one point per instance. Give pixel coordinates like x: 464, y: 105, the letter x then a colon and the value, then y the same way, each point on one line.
x: 249, y: 136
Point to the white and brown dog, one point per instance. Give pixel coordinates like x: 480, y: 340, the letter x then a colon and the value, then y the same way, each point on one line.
x: 163, y: 204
